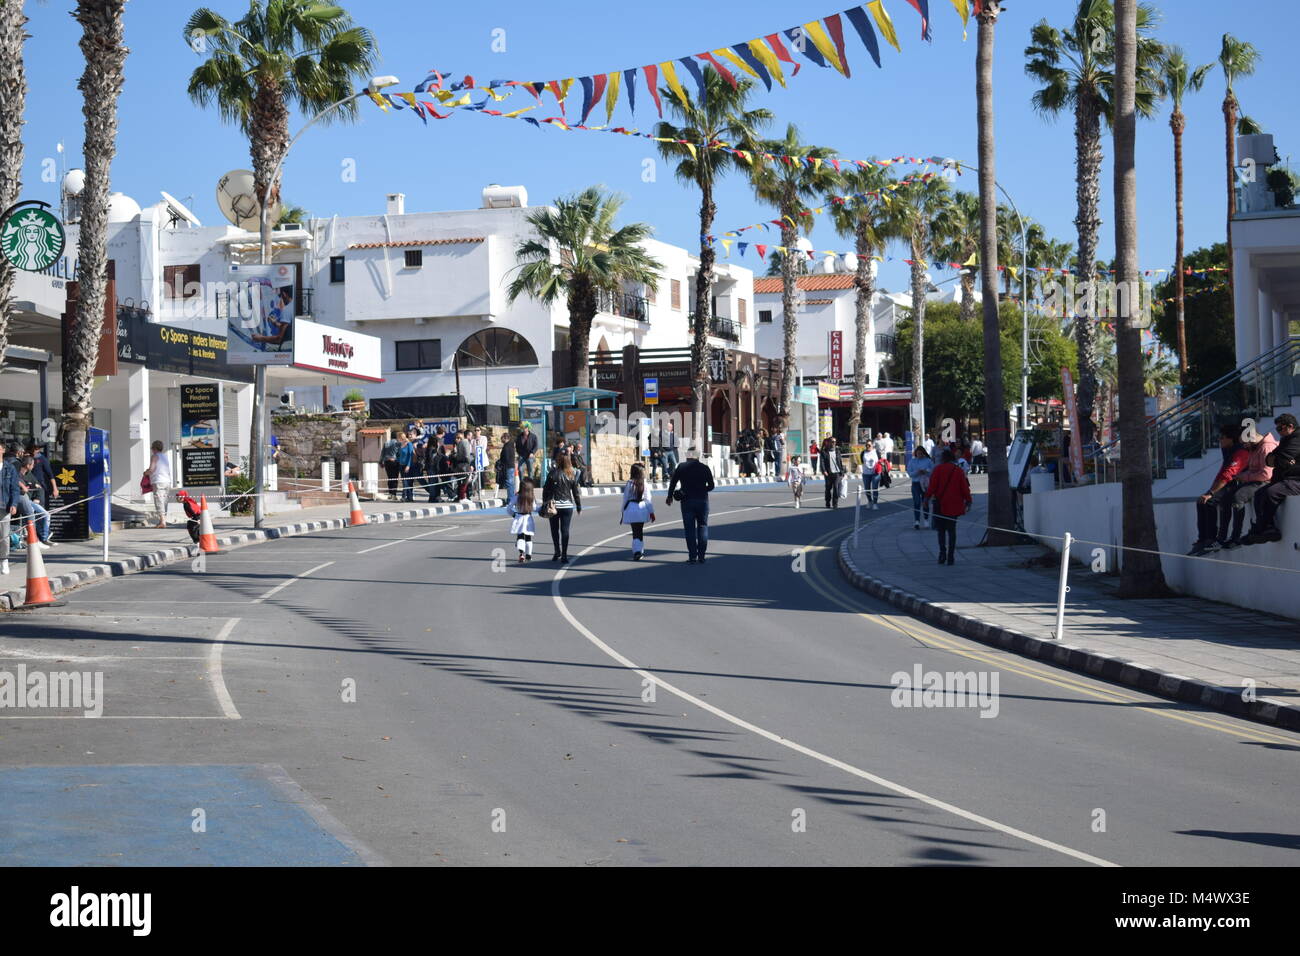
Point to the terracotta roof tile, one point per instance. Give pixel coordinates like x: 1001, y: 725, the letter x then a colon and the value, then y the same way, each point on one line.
x: 813, y: 283
x: 414, y: 242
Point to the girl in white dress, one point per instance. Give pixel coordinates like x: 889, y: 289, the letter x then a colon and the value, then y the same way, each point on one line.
x: 522, y: 524
x: 638, y: 508
x: 794, y: 478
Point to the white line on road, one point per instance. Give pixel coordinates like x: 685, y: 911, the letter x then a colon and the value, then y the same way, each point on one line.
x: 800, y: 748
x: 389, y: 544
x: 218, y: 679
x: 280, y: 587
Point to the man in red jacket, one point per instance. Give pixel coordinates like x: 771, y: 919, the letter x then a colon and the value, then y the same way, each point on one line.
x: 950, y: 492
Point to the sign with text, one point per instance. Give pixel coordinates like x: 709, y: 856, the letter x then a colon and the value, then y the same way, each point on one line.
x: 323, y: 348
x: 201, y: 454
x: 170, y: 348
x: 837, y: 356
x: 70, y: 524
x: 652, y: 391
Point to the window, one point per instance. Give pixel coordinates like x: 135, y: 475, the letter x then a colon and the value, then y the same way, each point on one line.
x: 416, y: 354
x: 414, y: 258
x: 182, y: 282
x: 740, y: 311
x: 650, y: 293
x: 336, y: 268
x: 495, y: 347
x: 677, y: 294
x: 765, y: 316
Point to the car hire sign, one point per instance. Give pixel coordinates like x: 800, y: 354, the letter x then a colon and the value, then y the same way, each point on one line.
x: 323, y: 348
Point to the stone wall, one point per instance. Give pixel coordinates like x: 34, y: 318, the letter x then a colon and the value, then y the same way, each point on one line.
x: 305, y: 439
x: 613, y: 456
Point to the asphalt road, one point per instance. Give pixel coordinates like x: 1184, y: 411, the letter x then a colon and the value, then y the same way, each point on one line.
x: 406, y: 693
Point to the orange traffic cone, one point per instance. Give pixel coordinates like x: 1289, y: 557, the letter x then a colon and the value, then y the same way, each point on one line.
x: 358, y: 516
x: 38, y: 584
x: 207, y: 538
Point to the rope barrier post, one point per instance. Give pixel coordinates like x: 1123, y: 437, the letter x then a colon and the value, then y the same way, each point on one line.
x: 1062, y: 588
x: 857, y: 515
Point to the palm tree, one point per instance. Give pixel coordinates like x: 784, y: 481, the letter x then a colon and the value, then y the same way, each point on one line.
x: 1237, y: 58
x: 1247, y: 126
x: 1074, y: 66
x: 870, y: 223
x: 1008, y: 244
x: 1001, y: 507
x: 1140, y: 572
x: 798, y: 173
x: 957, y: 239
x: 13, y: 97
x: 101, y: 83
x: 1178, y: 78
x: 578, y: 254
x: 720, y: 115
x: 280, y: 54
x: 921, y: 202
x: 1157, y: 373
x: 292, y: 213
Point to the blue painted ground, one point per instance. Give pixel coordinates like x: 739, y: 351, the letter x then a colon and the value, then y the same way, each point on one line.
x: 143, y: 816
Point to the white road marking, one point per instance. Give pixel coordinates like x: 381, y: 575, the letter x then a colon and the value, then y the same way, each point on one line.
x: 800, y: 748
x: 218, y: 679
x: 284, y: 584
x: 389, y: 544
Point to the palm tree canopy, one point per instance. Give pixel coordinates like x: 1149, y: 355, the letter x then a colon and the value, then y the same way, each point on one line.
x: 957, y: 228
x: 1178, y: 77
x: 868, y: 202
x: 578, y: 244
x: 797, y: 172
x: 1247, y: 126
x: 1079, y: 61
x: 308, y: 50
x: 1237, y: 58
x: 719, y: 116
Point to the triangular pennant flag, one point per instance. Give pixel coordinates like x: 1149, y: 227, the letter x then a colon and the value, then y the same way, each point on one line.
x: 670, y: 77
x: 588, y: 87
x: 652, y: 83
x: 762, y: 250
x: 923, y: 8
x: 963, y: 8
x: 782, y: 54
x: 886, y: 25
x: 726, y: 244
x: 742, y: 246
x: 768, y: 59
x: 697, y: 75
x: 799, y: 38
x: 858, y: 17
x: 817, y: 33
x: 629, y: 77
x: 722, y: 70
x: 836, y: 30
x: 611, y: 95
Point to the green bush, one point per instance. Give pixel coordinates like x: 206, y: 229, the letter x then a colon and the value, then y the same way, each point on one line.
x: 240, y: 485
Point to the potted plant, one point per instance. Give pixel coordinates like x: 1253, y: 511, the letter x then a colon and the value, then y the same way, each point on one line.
x: 354, y: 401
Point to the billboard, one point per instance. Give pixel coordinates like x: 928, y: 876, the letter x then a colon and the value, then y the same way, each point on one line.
x: 260, y: 320
x: 323, y: 348
x: 201, y: 456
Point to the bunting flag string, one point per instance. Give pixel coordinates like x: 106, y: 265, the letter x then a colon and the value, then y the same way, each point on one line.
x: 819, y: 42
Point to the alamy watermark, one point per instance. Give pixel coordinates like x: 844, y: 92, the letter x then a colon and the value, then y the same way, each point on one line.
x: 946, y: 689
x: 53, y: 690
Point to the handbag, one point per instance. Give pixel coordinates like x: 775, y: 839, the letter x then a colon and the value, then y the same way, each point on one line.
x: 146, y: 485
x: 548, y: 509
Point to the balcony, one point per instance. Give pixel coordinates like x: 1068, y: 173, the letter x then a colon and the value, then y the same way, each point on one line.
x: 720, y: 327
x: 624, y: 304
x: 886, y: 342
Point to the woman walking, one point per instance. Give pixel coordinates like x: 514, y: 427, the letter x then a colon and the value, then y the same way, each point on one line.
x: 160, y: 480
x: 814, y: 456
x: 794, y: 478
x: 522, y: 524
x: 832, y: 471
x: 638, y: 506
x: 561, y: 498
x: 871, y: 469
x: 919, y: 467
x: 950, y: 492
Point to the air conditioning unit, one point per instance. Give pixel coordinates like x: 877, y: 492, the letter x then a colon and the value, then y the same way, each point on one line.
x: 286, y: 400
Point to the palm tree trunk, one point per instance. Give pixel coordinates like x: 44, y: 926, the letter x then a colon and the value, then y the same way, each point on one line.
x: 1001, y: 507
x: 13, y: 96
x: 582, y: 312
x: 1230, y: 150
x: 1087, y: 145
x: 861, y: 327
x: 790, y: 321
x: 918, y: 334
x: 967, y: 295
x: 100, y: 85
x: 1141, y: 574
x: 1177, y: 123
x: 703, y: 312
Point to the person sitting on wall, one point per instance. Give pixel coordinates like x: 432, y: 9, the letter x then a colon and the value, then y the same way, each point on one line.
x: 1214, y: 508
x: 1285, y: 462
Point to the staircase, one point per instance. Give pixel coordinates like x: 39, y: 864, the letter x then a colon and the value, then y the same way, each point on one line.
x: 1181, y: 435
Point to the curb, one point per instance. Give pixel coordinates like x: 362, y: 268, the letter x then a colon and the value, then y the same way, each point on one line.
x: 1107, y: 667
x: 13, y: 599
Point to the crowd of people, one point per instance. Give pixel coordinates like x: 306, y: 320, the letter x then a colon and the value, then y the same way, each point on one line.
x: 27, y: 490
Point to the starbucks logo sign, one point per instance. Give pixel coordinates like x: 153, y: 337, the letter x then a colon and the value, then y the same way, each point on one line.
x: 31, y: 238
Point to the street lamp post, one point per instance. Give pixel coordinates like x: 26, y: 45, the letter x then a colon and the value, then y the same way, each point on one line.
x: 257, y: 455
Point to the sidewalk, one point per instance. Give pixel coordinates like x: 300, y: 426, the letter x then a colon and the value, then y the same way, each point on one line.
x: 1181, y: 648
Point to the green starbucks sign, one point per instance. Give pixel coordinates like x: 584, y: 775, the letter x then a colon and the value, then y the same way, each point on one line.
x: 31, y: 237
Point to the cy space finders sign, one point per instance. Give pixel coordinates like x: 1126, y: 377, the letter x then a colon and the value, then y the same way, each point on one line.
x: 323, y: 348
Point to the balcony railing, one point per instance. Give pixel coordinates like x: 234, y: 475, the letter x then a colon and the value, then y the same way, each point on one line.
x: 719, y: 326
x: 624, y: 304
x: 885, y: 343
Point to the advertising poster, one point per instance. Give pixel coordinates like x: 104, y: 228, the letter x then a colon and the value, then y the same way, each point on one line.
x: 201, y: 459
x: 261, y: 315
x: 70, y: 524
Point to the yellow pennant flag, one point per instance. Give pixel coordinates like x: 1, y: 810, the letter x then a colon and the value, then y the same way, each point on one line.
x: 817, y: 164
x: 379, y: 101
x: 515, y: 113
x: 670, y: 77
x: 824, y: 44
x: 744, y: 155
x: 970, y: 261
x: 726, y: 244
x: 819, y: 209
x: 963, y: 8
x: 886, y: 25
x: 767, y: 58
x: 691, y: 147
x: 730, y: 55
x: 410, y: 98
x: 611, y: 95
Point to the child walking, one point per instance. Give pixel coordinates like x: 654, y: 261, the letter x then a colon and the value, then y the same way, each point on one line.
x: 522, y: 525
x: 794, y: 476
x: 638, y: 505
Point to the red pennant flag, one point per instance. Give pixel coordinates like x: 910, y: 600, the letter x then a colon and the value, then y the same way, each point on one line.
x: 836, y: 29
x: 652, y: 81
x: 722, y: 70
x: 762, y: 250
x: 782, y: 54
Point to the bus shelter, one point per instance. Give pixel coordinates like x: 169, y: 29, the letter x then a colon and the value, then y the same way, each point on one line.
x: 565, y: 410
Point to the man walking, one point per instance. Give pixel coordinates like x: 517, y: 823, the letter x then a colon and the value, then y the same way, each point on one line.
x: 668, y: 449
x: 832, y: 471
x: 690, y: 484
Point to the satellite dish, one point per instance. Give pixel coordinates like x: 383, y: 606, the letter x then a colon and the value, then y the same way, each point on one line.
x: 176, y: 210
x: 74, y: 182
x: 850, y: 262
x: 238, y: 202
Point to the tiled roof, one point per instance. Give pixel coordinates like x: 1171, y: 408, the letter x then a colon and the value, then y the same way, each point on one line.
x: 812, y: 283
x: 414, y: 242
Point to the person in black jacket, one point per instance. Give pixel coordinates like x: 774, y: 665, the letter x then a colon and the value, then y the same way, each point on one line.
x: 691, y: 484
x: 43, y: 473
x: 561, y: 499
x: 1285, y: 462
x: 507, y: 472
x: 832, y: 471
x: 525, y: 449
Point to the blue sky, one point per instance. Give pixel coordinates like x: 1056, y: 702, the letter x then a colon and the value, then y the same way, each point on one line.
x: 920, y: 103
